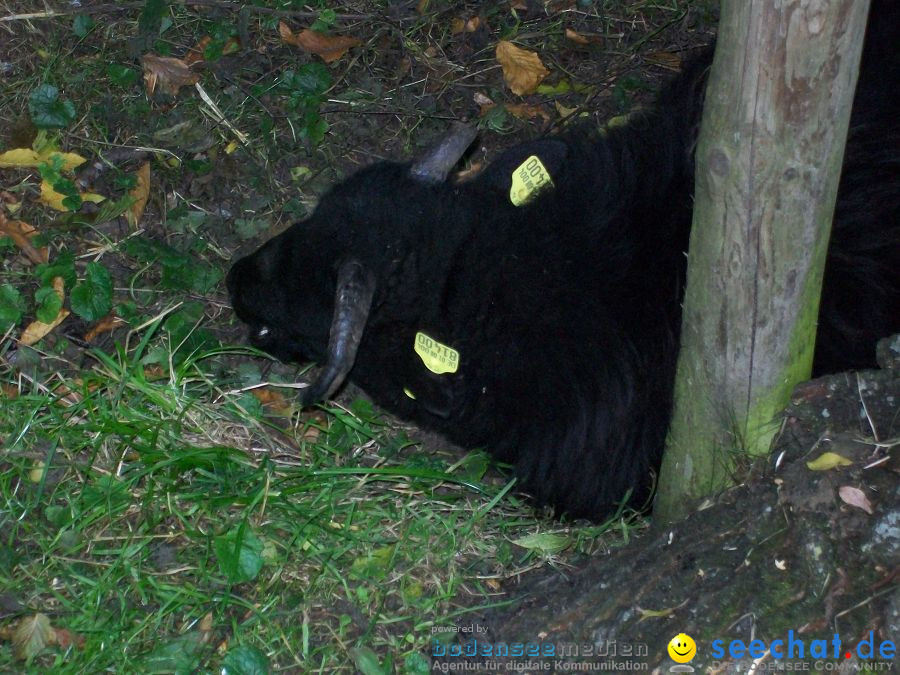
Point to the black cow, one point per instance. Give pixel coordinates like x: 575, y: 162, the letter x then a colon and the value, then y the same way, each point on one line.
x: 535, y: 310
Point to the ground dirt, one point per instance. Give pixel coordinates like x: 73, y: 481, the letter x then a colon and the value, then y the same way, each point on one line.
x: 813, y: 551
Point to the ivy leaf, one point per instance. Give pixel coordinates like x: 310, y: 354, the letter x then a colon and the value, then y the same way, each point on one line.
x: 47, y: 110
x: 91, y: 299
x: 12, y: 306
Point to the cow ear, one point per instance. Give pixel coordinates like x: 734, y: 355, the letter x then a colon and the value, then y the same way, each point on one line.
x: 523, y: 170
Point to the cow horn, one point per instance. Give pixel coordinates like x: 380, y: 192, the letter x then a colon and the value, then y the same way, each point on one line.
x: 437, y: 162
x: 352, y: 301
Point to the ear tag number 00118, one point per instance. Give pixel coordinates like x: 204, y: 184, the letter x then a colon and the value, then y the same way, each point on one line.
x: 528, y: 179
x: 437, y: 357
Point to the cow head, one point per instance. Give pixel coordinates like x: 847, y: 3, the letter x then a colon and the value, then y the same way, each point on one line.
x: 307, y: 293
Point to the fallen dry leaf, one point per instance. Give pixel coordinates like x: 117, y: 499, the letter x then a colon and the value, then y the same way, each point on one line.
x: 460, y: 25
x: 827, y: 461
x: 563, y: 110
x: 196, y: 53
x: 54, y: 199
x: 665, y: 59
x: 167, y: 73
x: 578, y: 38
x: 26, y: 157
x: 105, y: 325
x: 469, y: 172
x: 21, y: 234
x: 522, y: 69
x: 36, y: 330
x: 524, y: 111
x: 33, y: 633
x: 273, y: 400
x: 9, y: 391
x: 140, y: 192
x: 66, y: 638
x: 855, y: 497
x: 328, y: 47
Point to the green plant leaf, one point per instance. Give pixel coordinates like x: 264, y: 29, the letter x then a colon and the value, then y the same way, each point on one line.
x: 82, y: 25
x: 47, y: 110
x: 91, y: 299
x: 63, y: 266
x: 178, y: 655
x: 47, y: 304
x: 366, y: 661
x: 416, y: 664
x: 239, y: 552
x: 313, y: 78
x: 12, y: 306
x: 245, y: 660
x: 121, y: 76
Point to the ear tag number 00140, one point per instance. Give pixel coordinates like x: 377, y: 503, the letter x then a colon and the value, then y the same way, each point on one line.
x: 437, y: 357
x: 528, y: 179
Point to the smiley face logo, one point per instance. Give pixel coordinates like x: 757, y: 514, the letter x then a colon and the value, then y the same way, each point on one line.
x: 682, y: 648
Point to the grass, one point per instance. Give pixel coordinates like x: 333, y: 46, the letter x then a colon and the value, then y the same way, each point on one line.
x: 165, y: 506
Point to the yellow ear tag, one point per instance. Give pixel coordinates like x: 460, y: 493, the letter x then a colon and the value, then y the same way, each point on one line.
x: 437, y: 358
x: 528, y: 179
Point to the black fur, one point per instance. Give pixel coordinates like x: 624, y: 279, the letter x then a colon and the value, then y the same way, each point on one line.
x: 565, y: 311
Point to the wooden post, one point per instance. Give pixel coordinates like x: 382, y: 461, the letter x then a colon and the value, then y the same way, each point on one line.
x: 768, y: 162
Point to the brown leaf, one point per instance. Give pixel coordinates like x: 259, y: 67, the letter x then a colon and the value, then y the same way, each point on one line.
x: 167, y: 73
x: 576, y: 37
x: 470, y: 172
x: 21, y: 233
x: 272, y: 400
x: 522, y: 69
x: 66, y: 638
x: 524, y: 111
x: 105, y: 325
x: 665, y: 59
x: 855, y: 497
x: 195, y: 54
x: 9, y: 391
x: 140, y: 192
x: 329, y: 47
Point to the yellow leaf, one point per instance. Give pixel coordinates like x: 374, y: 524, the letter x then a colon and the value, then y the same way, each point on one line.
x: 37, y: 472
x: 522, y: 69
x: 21, y: 157
x: 140, y: 193
x: 37, y: 330
x: 54, y: 199
x: 828, y: 460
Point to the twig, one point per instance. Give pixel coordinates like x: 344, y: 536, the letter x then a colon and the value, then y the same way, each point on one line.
x: 223, y: 4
